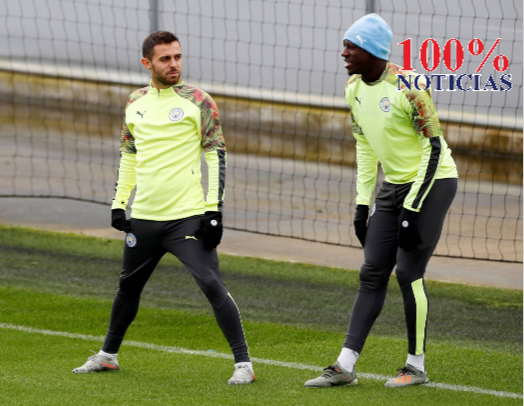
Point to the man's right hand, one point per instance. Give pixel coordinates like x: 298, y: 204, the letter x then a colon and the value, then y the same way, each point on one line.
x: 360, y: 222
x: 118, y: 220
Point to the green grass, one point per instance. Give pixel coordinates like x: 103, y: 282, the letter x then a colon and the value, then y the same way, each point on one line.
x: 292, y: 313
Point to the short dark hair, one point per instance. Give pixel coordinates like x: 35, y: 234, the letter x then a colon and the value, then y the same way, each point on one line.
x: 155, y: 38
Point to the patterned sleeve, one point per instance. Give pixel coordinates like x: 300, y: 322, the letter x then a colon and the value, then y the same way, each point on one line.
x: 212, y: 135
x: 215, y: 154
x: 426, y: 125
x: 422, y: 112
x: 126, y: 175
x: 127, y: 141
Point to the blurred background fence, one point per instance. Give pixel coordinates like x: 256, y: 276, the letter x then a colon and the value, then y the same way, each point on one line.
x: 275, y: 71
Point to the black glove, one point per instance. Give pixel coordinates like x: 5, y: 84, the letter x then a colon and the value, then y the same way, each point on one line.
x: 408, y: 233
x: 360, y: 222
x: 118, y: 220
x: 211, y: 229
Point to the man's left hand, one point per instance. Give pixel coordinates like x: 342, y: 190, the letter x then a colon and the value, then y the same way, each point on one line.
x: 211, y: 229
x: 408, y: 232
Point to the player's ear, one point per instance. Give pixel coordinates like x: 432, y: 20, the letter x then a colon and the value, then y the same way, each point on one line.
x: 146, y: 62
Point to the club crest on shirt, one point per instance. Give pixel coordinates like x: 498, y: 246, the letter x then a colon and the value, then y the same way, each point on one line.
x: 130, y: 240
x: 385, y: 105
x: 176, y: 114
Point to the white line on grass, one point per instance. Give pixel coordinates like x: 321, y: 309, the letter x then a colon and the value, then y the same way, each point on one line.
x: 294, y: 365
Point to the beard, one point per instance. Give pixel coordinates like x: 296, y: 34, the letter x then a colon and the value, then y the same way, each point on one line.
x: 165, y: 79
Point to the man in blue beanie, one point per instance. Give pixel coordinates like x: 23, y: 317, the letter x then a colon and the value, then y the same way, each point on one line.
x: 401, y: 130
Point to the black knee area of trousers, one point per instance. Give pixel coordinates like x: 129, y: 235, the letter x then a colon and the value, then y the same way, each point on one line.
x: 129, y: 288
x: 215, y: 291
x: 372, y: 277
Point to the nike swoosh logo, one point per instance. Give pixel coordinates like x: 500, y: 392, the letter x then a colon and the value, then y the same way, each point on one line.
x: 108, y: 366
x: 192, y: 237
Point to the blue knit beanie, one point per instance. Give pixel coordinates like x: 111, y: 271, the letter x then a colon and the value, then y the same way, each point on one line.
x: 372, y: 34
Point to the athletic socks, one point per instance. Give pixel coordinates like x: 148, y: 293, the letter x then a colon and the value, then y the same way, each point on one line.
x: 416, y: 361
x: 347, y: 359
x: 105, y: 354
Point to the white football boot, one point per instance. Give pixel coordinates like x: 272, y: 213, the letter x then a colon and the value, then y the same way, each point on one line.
x: 243, y: 374
x: 97, y: 363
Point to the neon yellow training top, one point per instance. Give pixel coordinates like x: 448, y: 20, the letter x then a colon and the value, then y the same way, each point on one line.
x: 163, y: 136
x: 401, y: 129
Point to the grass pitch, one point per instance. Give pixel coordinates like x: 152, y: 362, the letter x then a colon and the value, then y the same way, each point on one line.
x: 292, y: 313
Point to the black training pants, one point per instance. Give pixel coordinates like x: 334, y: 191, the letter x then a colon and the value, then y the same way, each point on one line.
x: 381, y: 253
x: 146, y: 243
